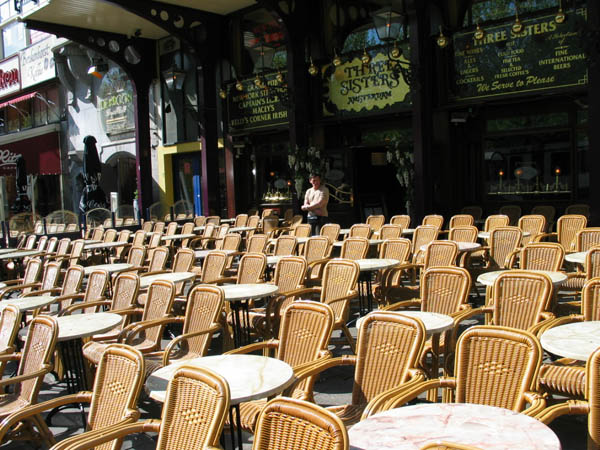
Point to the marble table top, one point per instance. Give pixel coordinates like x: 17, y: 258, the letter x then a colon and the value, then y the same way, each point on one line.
x: 84, y: 325
x: 273, y: 260
x: 175, y: 277
x: 577, y: 257
x: 200, y: 228
x: 237, y: 292
x: 482, y: 426
x: 574, y: 340
x: 103, y: 245
x: 110, y: 268
x: 371, y: 242
x: 488, y: 278
x: 408, y: 231
x: 20, y: 254
x: 241, y: 229
x: 250, y: 377
x: 28, y: 303
x: 371, y: 264
x: 433, y: 322
x: 172, y: 237
x: 231, y: 220
x: 201, y: 254
x: 7, y: 250
x: 462, y: 246
x: 486, y: 234
x: 92, y: 241
x: 345, y: 231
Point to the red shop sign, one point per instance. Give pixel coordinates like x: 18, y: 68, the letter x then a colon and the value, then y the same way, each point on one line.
x: 41, y: 153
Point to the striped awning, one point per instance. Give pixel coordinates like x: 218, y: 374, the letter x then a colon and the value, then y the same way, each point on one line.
x: 21, y: 98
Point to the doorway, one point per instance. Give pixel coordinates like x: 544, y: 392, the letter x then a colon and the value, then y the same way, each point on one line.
x: 187, y: 181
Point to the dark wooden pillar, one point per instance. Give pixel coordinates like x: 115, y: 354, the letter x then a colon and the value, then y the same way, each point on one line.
x: 420, y: 52
x: 143, y: 158
x: 594, y: 106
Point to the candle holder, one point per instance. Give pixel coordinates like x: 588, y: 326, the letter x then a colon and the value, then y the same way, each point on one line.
x: 500, y: 175
x: 518, y: 174
x: 556, y: 184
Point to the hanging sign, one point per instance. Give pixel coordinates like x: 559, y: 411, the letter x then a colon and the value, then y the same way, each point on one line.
x: 354, y: 87
x: 544, y: 55
x: 10, y: 76
x: 37, y: 62
x: 115, y: 105
x: 257, y: 107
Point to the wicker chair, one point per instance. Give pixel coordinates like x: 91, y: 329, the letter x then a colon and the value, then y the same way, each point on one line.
x: 388, y: 343
x: 49, y: 280
x: 398, y: 249
x: 188, y: 228
x: 285, y: 245
x: 433, y: 219
x: 535, y: 225
x: 495, y: 366
x: 10, y: 321
x: 182, y: 262
x: 423, y: 235
x: 504, y: 242
x: 110, y: 407
x: 241, y: 220
x: 192, y: 417
x: 496, y: 221
x: 199, y: 221
x: 208, y: 236
x: 361, y: 230
x: 465, y: 233
x: 316, y: 252
x: 576, y: 280
x: 542, y: 256
x: 34, y: 364
x: 565, y: 376
x: 71, y: 286
x: 390, y: 232
x: 331, y: 231
x: 354, y: 248
x: 513, y: 212
x: 212, y: 268
x: 589, y: 405
x: 94, y: 292
x: 146, y: 339
x: 402, y: 220
x: 204, y: 307
x: 294, y: 424
x: 302, y: 230
x: 375, y: 222
x: 30, y: 280
x: 567, y: 227
x: 302, y: 339
x: 461, y: 220
x: 256, y: 243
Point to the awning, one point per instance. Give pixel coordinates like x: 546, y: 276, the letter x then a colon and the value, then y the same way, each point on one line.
x: 21, y: 98
x: 41, y: 153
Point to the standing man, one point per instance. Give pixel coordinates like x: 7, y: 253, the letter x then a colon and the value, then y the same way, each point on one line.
x: 315, y: 202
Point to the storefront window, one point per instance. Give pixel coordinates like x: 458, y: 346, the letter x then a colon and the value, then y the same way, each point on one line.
x: 489, y: 10
x: 38, y: 111
x: 14, y: 38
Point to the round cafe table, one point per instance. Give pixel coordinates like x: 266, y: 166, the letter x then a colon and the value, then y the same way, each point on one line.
x: 365, y: 287
x: 577, y: 257
x: 28, y: 303
x: 175, y: 277
x: 110, y: 268
x: 486, y: 234
x: 20, y: 254
x: 250, y: 377
x: 105, y: 248
x: 174, y: 237
x: 341, y: 243
x: 201, y: 254
x: 482, y: 426
x: 465, y: 247
x: 7, y: 250
x: 488, y: 278
x: 241, y: 229
x: 238, y: 296
x: 434, y: 323
x: 573, y: 340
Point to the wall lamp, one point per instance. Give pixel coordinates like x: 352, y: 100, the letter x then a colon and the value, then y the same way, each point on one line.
x: 98, y: 68
x: 174, y: 78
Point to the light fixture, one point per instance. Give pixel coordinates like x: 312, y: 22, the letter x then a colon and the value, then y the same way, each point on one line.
x: 517, y: 26
x: 239, y: 85
x: 337, y: 61
x: 365, y: 58
x: 98, y: 68
x: 174, y: 78
x: 223, y: 93
x: 442, y: 40
x: 279, y: 77
x: 312, y: 69
x: 479, y: 32
x: 560, y: 16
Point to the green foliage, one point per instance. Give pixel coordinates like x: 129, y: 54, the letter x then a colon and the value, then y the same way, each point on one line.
x: 303, y: 161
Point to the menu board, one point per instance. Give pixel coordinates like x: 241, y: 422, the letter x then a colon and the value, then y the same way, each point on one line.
x: 257, y: 107
x: 544, y: 55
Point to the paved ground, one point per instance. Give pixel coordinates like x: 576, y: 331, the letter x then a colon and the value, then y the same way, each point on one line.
x: 334, y: 387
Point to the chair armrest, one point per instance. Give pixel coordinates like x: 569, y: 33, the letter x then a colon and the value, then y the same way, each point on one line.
x: 133, y: 329
x: 42, y: 292
x: 403, y: 305
x: 224, y: 280
x: 70, y: 309
x: 167, y: 352
x: 537, y: 402
x: 317, y: 262
x: 20, y: 378
x: 539, y: 237
x: 271, y: 344
x: 10, y: 357
x: 541, y: 324
x: 558, y: 321
x: 352, y: 295
x: 570, y: 407
x: 322, y: 364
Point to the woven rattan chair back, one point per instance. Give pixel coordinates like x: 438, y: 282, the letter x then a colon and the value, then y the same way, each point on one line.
x: 97, y: 234
x: 316, y: 247
x: 215, y: 220
x: 388, y: 343
x: 339, y: 280
x: 390, y: 232
x: 117, y: 386
x: 96, y: 287
x: 109, y: 235
x: 302, y: 230
x: 10, y: 321
x: 197, y: 402
x: 287, y: 423
x: 513, y: 212
x: 159, y: 302
x: 241, y: 220
x: 496, y: 366
x: 285, y: 245
x: 503, y: 242
x: 402, y: 220
x: 473, y: 210
x: 257, y: 243
x: 213, y: 266
x: 159, y: 227
x: 361, y: 230
x: 270, y: 224
x: 444, y: 289
x: 231, y: 241
x: 567, y: 227
x: 148, y: 226
x: 252, y: 268
x: 592, y: 263
x: 63, y: 247
x: 41, y: 244
x: 253, y: 220
x: 495, y: 221
x: 37, y: 351
x: 72, y: 280
x: 76, y: 251
x: 158, y: 261
x: 587, y: 238
x: 463, y: 233
x: 199, y: 221
x: 33, y: 272
x: 187, y: 228
x: 423, y: 235
x: 183, y: 260
x: 123, y: 236
x: 30, y: 242
x: 294, y: 221
x: 542, y: 256
x: 534, y: 224
x: 331, y: 231
x: 154, y: 240
x: 375, y: 221
x: 440, y: 254
x: 222, y: 231
x: 171, y: 229
x: 580, y: 208
x: 52, y: 245
x: 125, y: 291
x: 519, y: 298
x: 290, y: 273
x: 354, y: 248
x: 51, y: 276
x: 590, y: 300
x: 592, y: 389
x: 395, y: 249
x: 433, y: 219
x: 461, y: 220
x: 136, y: 256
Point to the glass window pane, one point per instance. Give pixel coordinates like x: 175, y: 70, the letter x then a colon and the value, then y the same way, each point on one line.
x: 14, y: 38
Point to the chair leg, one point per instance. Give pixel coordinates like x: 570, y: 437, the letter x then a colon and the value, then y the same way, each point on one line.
x: 349, y: 338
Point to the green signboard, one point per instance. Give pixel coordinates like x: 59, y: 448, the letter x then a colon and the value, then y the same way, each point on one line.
x: 257, y: 107
x: 544, y: 55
